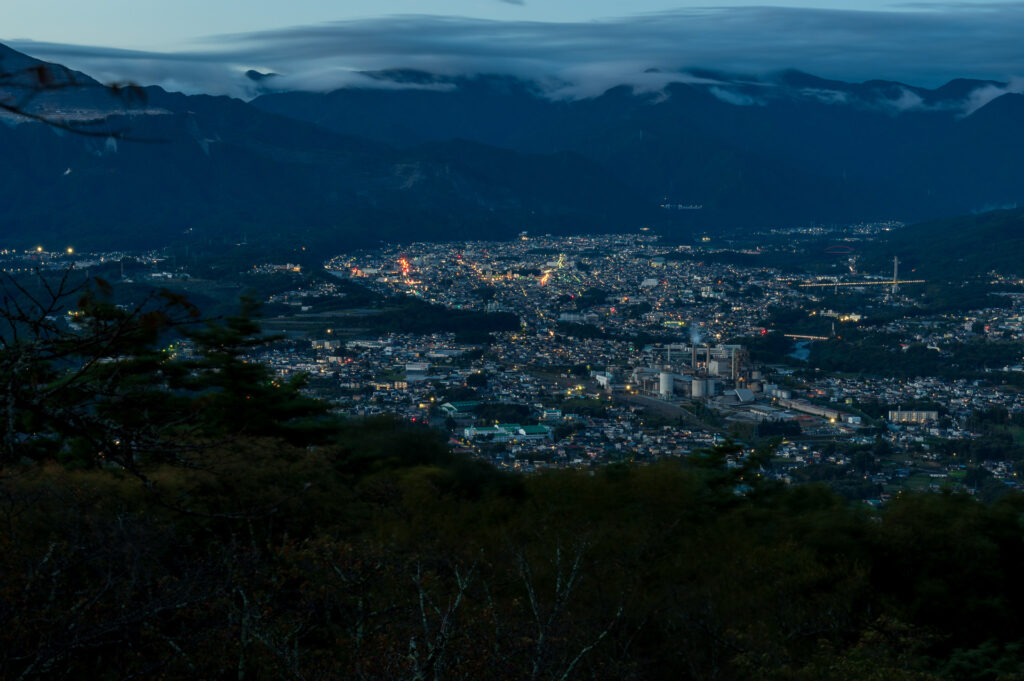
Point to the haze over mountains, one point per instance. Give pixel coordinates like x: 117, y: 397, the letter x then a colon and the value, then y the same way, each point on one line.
x: 425, y: 157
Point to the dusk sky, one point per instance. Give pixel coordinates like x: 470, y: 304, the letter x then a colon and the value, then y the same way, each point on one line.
x: 204, y: 45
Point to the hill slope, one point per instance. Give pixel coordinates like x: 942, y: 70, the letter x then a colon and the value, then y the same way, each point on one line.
x: 959, y: 247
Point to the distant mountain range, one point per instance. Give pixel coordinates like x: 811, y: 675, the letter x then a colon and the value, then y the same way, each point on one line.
x: 793, y: 148
x: 425, y: 157
x: 226, y: 170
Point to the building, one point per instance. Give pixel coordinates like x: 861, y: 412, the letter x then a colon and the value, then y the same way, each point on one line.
x: 901, y: 416
x: 810, y: 408
x: 491, y: 433
x: 457, y: 409
x: 533, y: 433
x: 507, y: 432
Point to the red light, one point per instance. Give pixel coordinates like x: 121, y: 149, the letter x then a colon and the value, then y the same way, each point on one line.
x: 764, y: 332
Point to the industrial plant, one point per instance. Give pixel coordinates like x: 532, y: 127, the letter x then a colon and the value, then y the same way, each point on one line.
x: 692, y: 371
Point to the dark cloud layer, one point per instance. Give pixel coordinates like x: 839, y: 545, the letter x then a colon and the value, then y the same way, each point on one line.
x: 921, y: 43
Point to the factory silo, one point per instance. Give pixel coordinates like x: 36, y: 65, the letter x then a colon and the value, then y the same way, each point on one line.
x: 699, y: 387
x: 666, y: 384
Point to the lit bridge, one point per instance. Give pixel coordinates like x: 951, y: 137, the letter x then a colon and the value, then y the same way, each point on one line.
x: 862, y: 283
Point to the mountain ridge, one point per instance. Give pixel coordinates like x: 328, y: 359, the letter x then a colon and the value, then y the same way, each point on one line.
x: 877, y: 149
x: 219, y: 167
x: 354, y: 166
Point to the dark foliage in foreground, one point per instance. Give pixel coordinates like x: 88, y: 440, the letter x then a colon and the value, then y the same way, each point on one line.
x: 254, y: 536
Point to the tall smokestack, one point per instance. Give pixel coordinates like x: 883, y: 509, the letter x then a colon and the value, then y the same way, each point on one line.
x: 693, y: 360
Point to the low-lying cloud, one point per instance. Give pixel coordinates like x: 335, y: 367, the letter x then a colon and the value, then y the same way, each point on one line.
x: 983, y: 95
x: 921, y: 44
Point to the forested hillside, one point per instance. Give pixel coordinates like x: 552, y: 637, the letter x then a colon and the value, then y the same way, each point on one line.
x: 958, y: 247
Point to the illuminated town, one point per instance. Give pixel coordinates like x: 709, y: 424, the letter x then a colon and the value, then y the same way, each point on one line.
x: 621, y: 348
x: 630, y: 350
